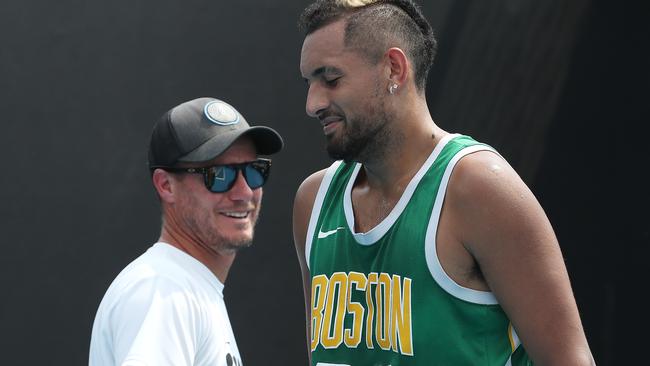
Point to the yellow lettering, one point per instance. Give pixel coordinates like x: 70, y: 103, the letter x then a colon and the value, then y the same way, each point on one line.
x: 372, y: 279
x: 401, y: 316
x: 332, y: 338
x: 382, y: 330
x: 353, y: 336
x: 318, y: 296
x: 387, y: 321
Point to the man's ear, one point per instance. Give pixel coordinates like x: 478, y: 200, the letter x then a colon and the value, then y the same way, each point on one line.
x: 164, y: 185
x: 398, y: 66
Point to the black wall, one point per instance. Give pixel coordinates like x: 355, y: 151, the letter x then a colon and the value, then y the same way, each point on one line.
x: 82, y: 82
x: 594, y: 179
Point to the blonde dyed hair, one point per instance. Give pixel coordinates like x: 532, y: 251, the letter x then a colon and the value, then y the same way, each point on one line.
x: 354, y: 3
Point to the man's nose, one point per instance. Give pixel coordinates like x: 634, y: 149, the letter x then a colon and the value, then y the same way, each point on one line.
x: 317, y: 100
x: 240, y: 190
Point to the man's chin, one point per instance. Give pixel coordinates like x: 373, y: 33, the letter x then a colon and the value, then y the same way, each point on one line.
x: 336, y: 153
x: 340, y: 150
x: 238, y: 243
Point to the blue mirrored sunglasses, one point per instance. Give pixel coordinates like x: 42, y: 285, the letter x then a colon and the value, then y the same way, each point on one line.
x: 221, y: 178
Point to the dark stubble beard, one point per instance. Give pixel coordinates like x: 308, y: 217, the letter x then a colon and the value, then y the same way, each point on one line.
x: 364, y: 137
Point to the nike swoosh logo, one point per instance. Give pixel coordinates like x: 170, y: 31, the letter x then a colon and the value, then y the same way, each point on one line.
x: 325, y: 234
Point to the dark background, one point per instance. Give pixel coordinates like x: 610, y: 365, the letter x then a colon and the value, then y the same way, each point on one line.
x: 560, y: 88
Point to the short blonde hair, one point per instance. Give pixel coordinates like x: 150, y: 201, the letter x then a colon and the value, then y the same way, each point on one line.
x: 354, y: 3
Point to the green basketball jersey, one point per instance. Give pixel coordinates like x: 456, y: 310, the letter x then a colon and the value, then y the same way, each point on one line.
x: 382, y: 298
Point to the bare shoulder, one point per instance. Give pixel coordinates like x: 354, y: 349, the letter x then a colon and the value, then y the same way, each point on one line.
x: 307, y: 191
x: 485, y: 190
x: 302, y: 206
x: 309, y: 187
x: 495, y: 210
x: 502, y: 225
x: 481, y: 173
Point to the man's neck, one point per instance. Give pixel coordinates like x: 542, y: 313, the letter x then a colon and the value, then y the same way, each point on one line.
x: 218, y: 262
x: 391, y: 171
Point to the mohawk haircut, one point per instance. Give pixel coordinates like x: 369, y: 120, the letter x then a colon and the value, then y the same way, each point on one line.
x: 373, y: 26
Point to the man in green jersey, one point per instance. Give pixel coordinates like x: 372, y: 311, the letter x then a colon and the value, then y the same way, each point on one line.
x: 417, y: 246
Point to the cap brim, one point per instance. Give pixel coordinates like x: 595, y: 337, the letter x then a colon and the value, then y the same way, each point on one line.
x: 267, y: 141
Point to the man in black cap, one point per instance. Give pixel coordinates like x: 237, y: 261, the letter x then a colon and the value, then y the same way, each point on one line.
x: 166, y: 307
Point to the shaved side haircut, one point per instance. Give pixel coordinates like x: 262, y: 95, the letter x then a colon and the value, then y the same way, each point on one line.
x: 372, y: 27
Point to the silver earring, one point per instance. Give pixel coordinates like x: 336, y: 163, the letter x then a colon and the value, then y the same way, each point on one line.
x: 392, y: 88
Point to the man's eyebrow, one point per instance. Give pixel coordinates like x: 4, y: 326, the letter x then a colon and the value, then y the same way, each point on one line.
x: 325, y: 70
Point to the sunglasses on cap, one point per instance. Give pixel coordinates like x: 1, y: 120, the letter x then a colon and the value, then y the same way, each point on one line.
x: 221, y: 178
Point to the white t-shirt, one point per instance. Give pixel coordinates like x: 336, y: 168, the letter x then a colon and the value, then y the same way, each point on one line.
x: 164, y: 308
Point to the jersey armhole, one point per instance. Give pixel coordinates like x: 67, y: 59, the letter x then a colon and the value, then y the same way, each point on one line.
x: 318, y: 204
x: 431, y: 251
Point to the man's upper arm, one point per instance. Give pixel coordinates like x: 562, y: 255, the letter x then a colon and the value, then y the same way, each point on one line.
x: 502, y: 225
x: 302, y: 207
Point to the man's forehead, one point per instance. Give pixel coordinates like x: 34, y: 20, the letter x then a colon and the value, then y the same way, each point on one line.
x: 323, y: 43
x: 330, y: 63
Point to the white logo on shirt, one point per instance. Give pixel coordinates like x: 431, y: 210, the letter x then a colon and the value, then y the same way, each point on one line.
x: 325, y: 234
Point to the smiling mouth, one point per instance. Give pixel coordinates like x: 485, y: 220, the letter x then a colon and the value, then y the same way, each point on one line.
x: 329, y: 120
x: 330, y: 123
x: 236, y: 215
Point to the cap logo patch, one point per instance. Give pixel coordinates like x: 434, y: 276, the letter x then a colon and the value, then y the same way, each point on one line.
x: 221, y: 113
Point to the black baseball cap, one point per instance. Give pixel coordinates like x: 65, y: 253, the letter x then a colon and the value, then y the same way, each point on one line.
x: 201, y: 129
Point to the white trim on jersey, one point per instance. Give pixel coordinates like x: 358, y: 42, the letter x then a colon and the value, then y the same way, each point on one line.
x: 376, y: 233
x: 318, y: 203
x: 431, y: 250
